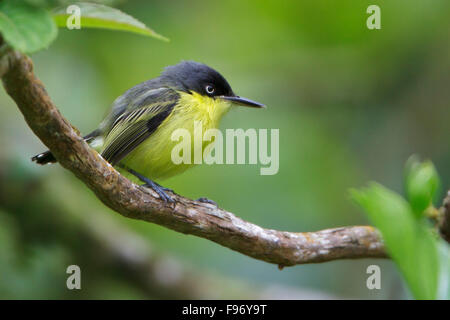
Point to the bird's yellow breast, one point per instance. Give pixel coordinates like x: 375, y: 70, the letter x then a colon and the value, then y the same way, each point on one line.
x: 152, y: 158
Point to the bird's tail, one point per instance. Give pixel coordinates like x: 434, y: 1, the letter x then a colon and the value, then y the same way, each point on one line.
x: 48, y: 157
x: 44, y: 158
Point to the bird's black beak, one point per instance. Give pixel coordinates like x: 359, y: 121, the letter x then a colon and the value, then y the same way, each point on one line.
x: 243, y: 101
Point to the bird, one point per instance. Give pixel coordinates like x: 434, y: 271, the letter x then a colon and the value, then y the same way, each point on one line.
x: 134, y: 137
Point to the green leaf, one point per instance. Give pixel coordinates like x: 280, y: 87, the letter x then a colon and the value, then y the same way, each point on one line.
x: 408, y: 240
x: 422, y: 183
x: 103, y: 17
x: 25, y: 27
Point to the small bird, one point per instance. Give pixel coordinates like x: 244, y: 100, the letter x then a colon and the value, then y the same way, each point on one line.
x: 135, y: 135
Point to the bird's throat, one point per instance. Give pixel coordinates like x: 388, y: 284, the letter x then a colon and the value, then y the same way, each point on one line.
x: 205, y: 107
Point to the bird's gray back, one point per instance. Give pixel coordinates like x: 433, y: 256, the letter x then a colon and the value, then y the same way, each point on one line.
x: 143, y: 94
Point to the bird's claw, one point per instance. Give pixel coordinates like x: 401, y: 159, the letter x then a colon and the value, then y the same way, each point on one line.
x: 206, y: 200
x: 161, y: 191
x: 165, y: 189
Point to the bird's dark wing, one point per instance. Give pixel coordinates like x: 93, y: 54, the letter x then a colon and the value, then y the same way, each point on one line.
x: 141, y: 95
x: 132, y: 127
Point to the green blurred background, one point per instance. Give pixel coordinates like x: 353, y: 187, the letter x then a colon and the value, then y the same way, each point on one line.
x: 351, y: 105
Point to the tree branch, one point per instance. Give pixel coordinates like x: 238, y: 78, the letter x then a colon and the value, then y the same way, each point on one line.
x: 185, y: 215
x: 118, y: 251
x: 444, y: 219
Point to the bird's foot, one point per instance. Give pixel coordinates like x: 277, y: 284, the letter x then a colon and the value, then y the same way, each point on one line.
x: 206, y: 200
x: 164, y: 188
x: 161, y: 191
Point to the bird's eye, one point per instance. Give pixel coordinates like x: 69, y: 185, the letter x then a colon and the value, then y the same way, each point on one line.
x: 210, y: 89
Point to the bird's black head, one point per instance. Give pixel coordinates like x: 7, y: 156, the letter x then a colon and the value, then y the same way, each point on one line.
x: 197, y: 77
x: 191, y: 76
